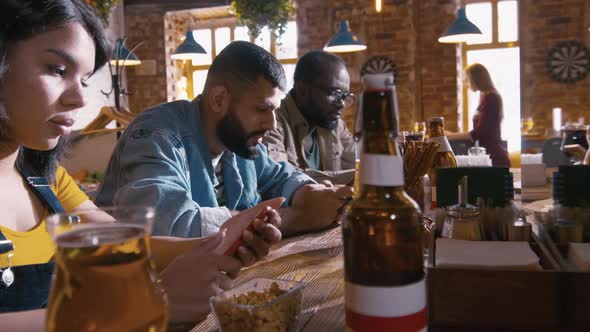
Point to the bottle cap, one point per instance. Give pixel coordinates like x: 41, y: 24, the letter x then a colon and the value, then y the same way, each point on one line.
x: 437, y: 119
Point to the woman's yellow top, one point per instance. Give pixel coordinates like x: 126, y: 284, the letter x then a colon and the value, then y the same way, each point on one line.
x: 35, y: 245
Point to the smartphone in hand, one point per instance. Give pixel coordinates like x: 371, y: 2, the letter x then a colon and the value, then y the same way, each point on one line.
x: 236, y: 225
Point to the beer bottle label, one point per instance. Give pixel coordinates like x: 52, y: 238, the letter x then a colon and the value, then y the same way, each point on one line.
x: 382, y: 170
x: 444, y: 143
x: 375, y: 309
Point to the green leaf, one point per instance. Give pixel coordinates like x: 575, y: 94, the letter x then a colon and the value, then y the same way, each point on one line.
x: 255, y: 14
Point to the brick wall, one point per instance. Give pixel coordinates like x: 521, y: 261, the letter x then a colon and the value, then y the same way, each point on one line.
x: 544, y: 23
x: 175, y: 27
x: 407, y: 33
x: 437, y: 66
x: 147, y: 82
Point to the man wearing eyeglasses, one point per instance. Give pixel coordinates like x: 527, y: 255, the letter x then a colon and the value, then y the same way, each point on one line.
x: 310, y: 132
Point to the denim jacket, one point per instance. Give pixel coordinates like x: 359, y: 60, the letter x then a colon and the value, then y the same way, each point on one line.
x: 163, y: 160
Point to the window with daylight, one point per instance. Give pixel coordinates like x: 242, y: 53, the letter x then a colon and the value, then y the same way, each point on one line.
x: 216, y: 38
x: 498, y: 50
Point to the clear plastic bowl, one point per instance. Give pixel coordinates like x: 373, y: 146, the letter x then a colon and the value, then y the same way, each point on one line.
x: 280, y: 313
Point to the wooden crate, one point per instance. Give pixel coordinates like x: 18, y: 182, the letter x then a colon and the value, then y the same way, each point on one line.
x: 578, y: 297
x: 576, y: 286
x: 477, y: 300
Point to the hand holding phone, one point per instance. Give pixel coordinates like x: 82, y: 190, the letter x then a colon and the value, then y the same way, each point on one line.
x: 236, y: 225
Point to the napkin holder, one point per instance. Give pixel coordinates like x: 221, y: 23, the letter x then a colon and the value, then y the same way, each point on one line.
x: 474, y: 299
x: 492, y: 184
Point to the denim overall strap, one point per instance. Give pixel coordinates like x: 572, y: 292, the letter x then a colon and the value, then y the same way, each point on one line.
x: 5, y: 244
x: 40, y: 186
x: 31, y: 283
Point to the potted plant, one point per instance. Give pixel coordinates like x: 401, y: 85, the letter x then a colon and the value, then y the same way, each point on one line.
x: 256, y: 14
x: 103, y: 7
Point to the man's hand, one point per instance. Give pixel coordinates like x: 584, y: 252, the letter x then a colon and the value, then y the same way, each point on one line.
x: 257, y: 243
x: 314, y: 207
x: 192, y: 278
x: 327, y: 183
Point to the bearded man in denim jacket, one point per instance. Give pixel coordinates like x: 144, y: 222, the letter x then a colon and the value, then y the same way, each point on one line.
x: 200, y: 161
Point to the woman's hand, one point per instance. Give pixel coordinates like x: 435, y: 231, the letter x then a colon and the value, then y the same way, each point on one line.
x: 575, y: 150
x: 193, y: 277
x: 458, y: 136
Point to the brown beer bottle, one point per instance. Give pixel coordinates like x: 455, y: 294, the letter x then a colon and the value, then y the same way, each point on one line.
x: 445, y: 157
x: 381, y: 228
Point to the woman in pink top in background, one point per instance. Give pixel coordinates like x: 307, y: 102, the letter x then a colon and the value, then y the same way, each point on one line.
x: 488, y: 117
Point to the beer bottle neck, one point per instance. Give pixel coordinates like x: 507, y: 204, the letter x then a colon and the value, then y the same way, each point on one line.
x: 380, y: 122
x: 436, y: 130
x: 437, y: 134
x: 381, y: 162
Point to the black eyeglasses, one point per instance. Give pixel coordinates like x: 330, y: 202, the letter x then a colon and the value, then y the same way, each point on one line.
x: 336, y: 95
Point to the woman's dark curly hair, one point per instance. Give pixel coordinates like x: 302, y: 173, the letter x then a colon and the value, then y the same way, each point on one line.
x: 23, y: 19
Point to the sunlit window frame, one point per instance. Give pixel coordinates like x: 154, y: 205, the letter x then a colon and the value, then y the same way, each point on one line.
x: 212, y: 25
x: 484, y: 46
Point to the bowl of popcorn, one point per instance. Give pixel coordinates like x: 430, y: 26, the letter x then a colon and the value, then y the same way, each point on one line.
x: 259, y: 305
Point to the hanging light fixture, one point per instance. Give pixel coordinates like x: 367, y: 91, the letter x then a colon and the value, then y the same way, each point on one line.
x: 188, y: 49
x: 344, y: 41
x: 461, y: 30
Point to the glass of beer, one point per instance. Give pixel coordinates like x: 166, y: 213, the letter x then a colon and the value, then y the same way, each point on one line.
x: 105, y: 279
x: 420, y: 127
x: 526, y: 125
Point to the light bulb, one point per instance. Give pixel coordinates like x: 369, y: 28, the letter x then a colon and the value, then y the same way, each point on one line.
x: 378, y: 5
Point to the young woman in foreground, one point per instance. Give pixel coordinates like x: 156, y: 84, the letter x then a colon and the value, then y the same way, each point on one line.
x: 49, y: 49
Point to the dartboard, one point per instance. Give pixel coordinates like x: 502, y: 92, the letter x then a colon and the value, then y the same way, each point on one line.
x: 568, y: 61
x: 378, y: 65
